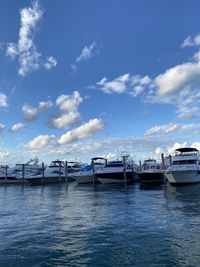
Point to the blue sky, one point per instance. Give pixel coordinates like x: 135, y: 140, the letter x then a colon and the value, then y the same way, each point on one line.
x: 85, y: 78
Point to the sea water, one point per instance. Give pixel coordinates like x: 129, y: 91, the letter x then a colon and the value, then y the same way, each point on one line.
x: 106, y: 225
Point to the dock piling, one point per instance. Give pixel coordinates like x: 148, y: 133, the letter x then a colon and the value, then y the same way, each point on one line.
x: 6, y: 173
x: 124, y: 171
x: 43, y: 172
x: 60, y: 171
x: 66, y: 171
x: 23, y: 173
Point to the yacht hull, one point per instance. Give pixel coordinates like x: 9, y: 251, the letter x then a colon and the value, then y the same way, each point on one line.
x: 183, y: 176
x: 84, y: 179
x: 151, y: 178
x: 12, y: 180
x: 114, y: 177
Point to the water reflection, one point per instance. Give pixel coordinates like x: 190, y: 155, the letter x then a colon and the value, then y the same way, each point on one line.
x: 109, y: 225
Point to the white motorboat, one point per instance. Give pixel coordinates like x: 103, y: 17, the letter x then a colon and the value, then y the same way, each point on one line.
x: 19, y: 172
x: 54, y: 173
x: 185, y: 167
x: 87, y: 173
x: 117, y: 172
x: 73, y: 167
x: 151, y: 172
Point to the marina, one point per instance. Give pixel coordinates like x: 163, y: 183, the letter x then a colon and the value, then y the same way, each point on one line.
x: 106, y: 213
x: 181, y: 168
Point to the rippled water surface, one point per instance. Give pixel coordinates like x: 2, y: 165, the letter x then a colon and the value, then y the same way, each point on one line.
x: 72, y: 225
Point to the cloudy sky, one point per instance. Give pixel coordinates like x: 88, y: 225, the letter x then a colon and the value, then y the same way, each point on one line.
x: 85, y: 78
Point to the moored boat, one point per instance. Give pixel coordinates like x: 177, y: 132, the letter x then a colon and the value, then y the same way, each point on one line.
x: 17, y: 174
x: 88, y: 173
x: 185, y: 167
x: 151, y: 172
x: 117, y: 171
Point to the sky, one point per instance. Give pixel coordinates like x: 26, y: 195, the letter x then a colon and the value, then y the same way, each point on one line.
x: 80, y: 79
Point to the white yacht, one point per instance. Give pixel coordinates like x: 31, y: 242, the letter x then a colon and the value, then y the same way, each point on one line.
x: 117, y: 172
x: 185, y: 167
x: 87, y: 173
x: 15, y: 173
x: 151, y: 172
x: 73, y: 167
x: 54, y: 173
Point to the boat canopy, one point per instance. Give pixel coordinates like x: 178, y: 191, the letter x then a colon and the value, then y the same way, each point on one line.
x: 186, y: 149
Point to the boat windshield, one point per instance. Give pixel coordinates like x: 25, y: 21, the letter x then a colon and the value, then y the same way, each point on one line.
x: 57, y: 164
x: 115, y: 164
x: 183, y: 162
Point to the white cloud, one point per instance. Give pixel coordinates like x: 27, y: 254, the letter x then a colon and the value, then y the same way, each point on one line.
x: 68, y: 106
x: 3, y: 101
x: 41, y: 141
x: 2, y: 126
x: 86, y: 130
x: 43, y: 105
x: 65, y: 120
x: 50, y: 63
x: 186, y: 113
x: 178, y: 85
x: 28, y: 56
x: 189, y: 41
x: 69, y: 103
x: 31, y: 113
x: 87, y: 52
x: 4, y: 155
x: 175, y: 146
x: 171, y: 128
x: 132, y: 84
x: 196, y: 145
x: 18, y: 126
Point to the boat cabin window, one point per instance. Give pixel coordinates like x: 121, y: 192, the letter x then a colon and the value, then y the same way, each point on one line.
x: 182, y: 162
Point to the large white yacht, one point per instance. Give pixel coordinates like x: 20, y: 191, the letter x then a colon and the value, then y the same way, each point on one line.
x: 117, y: 171
x: 185, y: 167
x: 151, y: 172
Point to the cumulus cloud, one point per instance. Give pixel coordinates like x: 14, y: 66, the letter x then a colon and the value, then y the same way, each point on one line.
x: 3, y: 101
x: 28, y: 56
x: 171, y: 128
x: 17, y: 127
x: 132, y: 84
x: 175, y: 146
x: 68, y: 106
x: 69, y: 103
x: 86, y: 130
x: 41, y: 141
x: 31, y: 113
x: 65, y: 120
x: 178, y: 85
